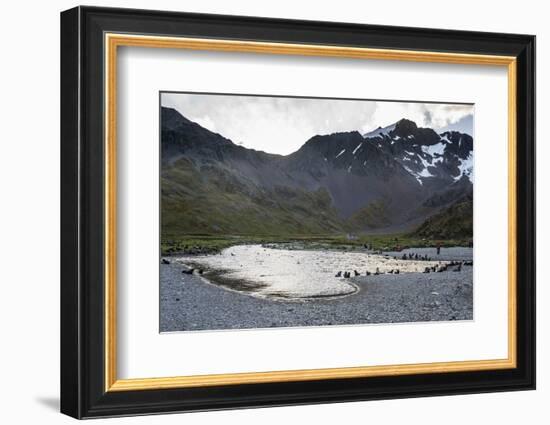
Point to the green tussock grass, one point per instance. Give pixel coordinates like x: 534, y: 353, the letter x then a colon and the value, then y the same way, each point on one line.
x: 210, y: 244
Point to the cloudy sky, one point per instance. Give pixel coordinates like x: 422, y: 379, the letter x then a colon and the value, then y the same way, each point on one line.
x: 282, y: 124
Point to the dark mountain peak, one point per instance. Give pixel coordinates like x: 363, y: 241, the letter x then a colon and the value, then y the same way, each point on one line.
x: 460, y: 143
x: 180, y: 135
x: 349, y: 134
x: 379, y: 132
x: 172, y: 119
x: 338, y: 150
x: 407, y: 129
x: 455, y: 135
x: 399, y: 129
x: 404, y: 132
x: 331, y: 142
x: 405, y: 126
x: 338, y: 135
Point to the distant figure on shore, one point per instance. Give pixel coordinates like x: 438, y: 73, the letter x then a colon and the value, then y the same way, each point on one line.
x: 190, y: 271
x: 339, y: 274
x: 356, y: 273
x: 438, y: 248
x: 367, y: 273
x: 377, y: 272
x: 165, y: 261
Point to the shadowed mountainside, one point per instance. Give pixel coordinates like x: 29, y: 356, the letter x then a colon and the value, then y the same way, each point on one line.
x: 454, y: 222
x: 344, y: 182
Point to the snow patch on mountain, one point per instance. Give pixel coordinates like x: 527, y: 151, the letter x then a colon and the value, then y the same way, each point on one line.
x: 425, y: 173
x: 425, y: 162
x: 412, y: 173
x: 341, y: 152
x: 466, y: 168
x: 438, y: 148
x: 357, y: 148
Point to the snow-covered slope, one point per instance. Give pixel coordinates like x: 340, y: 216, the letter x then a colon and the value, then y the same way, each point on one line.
x: 425, y: 154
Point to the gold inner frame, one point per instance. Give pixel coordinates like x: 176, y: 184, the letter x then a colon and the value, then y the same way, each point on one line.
x: 113, y: 41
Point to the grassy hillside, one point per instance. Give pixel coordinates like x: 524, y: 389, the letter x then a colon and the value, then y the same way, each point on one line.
x: 455, y: 222
x: 207, y: 208
x: 373, y: 216
x: 213, y: 201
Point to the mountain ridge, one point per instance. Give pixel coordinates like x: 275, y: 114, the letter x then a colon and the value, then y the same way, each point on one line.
x: 344, y: 181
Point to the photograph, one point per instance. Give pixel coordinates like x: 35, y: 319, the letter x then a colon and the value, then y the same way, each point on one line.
x: 279, y: 211
x: 282, y: 210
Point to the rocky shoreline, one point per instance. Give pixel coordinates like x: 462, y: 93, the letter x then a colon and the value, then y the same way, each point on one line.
x: 191, y: 303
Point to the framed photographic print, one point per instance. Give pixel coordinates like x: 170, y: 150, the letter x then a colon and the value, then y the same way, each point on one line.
x: 261, y: 212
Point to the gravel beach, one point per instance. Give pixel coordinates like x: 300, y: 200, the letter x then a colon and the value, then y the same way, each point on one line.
x: 191, y: 303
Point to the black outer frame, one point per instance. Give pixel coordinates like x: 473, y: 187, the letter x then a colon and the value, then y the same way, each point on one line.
x: 82, y: 218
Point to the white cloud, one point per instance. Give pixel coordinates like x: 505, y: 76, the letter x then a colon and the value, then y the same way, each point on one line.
x: 433, y: 115
x: 281, y: 125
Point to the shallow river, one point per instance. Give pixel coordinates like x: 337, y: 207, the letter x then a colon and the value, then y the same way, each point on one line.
x: 294, y: 274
